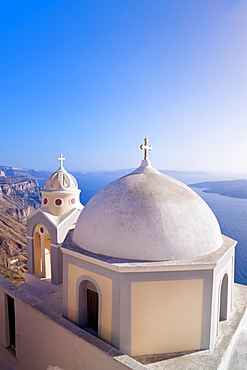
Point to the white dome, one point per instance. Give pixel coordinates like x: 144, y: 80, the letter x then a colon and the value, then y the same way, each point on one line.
x: 61, y: 181
x: 147, y: 215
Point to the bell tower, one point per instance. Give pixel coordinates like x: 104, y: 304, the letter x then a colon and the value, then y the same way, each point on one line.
x: 48, y: 226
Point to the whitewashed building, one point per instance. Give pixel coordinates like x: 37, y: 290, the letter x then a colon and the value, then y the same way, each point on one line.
x: 141, y: 272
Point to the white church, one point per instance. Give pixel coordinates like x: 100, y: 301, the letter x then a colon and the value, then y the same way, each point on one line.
x: 139, y: 278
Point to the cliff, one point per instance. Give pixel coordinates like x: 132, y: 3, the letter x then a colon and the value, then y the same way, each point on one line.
x: 19, y: 197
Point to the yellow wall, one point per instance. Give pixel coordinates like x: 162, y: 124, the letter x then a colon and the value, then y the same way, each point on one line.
x: 166, y: 316
x: 105, y: 285
x: 37, y: 254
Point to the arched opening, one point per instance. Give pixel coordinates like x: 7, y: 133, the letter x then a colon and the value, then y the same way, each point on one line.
x: 88, y: 308
x: 47, y: 257
x: 37, y: 254
x: 42, y: 252
x: 223, y: 298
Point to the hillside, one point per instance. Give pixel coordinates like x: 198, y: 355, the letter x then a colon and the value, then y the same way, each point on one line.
x: 13, y: 255
x: 232, y: 188
x: 19, y: 197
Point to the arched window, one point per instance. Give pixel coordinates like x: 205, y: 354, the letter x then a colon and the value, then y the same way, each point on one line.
x: 223, y: 298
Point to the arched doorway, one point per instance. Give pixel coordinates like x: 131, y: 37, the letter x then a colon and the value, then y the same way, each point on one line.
x: 223, y: 298
x: 88, y: 307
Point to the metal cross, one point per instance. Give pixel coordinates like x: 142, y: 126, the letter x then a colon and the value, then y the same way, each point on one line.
x: 61, y: 159
x: 146, y: 148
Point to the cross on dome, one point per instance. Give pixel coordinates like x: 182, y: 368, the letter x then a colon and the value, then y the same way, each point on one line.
x: 146, y: 148
x: 61, y: 159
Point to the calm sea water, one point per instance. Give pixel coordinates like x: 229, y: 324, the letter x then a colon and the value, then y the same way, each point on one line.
x: 232, y: 216
x: 230, y: 212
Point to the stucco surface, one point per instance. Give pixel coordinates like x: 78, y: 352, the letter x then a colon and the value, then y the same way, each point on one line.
x: 45, y: 338
x: 147, y: 215
x: 105, y: 298
x: 226, y: 353
x: 76, y: 348
x: 62, y: 185
x: 61, y: 180
x: 4, y: 365
x: 239, y: 354
x: 172, y: 315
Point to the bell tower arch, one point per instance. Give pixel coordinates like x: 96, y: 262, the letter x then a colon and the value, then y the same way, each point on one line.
x: 42, y: 252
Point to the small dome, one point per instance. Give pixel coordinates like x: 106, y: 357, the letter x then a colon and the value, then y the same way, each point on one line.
x: 61, y: 181
x: 147, y: 215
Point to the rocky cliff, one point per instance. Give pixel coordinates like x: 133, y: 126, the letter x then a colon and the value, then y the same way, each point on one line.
x: 19, y: 197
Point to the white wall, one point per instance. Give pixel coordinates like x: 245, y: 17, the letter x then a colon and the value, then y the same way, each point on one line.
x: 43, y: 338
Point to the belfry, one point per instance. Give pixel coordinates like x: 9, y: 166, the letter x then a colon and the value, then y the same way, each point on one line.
x: 48, y: 226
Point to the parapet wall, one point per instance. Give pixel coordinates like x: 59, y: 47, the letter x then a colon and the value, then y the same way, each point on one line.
x: 44, y: 339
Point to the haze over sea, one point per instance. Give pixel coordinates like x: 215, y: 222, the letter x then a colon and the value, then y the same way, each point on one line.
x: 230, y: 212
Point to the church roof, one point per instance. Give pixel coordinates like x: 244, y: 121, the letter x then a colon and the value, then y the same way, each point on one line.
x: 61, y: 181
x: 150, y: 216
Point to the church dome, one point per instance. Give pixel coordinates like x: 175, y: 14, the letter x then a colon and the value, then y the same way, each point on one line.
x: 60, y: 193
x: 150, y: 216
x: 61, y: 181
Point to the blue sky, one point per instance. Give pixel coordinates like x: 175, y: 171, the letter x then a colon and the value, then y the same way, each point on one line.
x: 90, y: 79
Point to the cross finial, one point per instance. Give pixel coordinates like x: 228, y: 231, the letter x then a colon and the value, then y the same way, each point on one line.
x: 61, y: 159
x: 146, y: 148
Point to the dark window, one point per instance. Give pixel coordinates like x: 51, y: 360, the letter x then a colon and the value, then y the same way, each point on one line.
x: 11, y: 319
x: 92, y: 309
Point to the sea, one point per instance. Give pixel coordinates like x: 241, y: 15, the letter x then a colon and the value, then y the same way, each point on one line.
x: 230, y: 212
x: 232, y: 217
